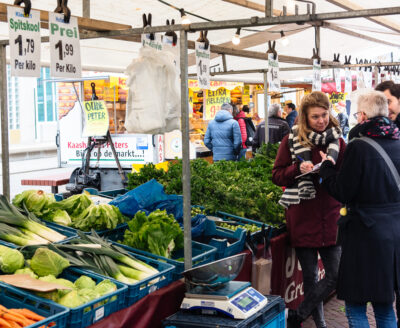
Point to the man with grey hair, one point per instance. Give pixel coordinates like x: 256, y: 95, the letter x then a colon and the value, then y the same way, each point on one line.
x: 223, y: 135
x: 278, y: 127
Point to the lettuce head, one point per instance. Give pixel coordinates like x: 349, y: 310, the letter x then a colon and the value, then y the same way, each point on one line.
x: 46, y: 262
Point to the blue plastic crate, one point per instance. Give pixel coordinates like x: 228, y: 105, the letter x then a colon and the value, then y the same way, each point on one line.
x: 271, y: 316
x: 14, y: 298
x: 137, y: 291
x: 201, y: 254
x: 227, y: 242
x: 61, y: 229
x: 91, y: 312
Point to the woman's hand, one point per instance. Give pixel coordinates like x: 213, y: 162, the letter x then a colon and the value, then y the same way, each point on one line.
x: 306, y: 167
x: 326, y: 158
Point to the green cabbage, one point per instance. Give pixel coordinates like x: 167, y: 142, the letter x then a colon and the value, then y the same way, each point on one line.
x: 59, y: 216
x: 45, y: 262
x: 84, y: 282
x: 36, y: 201
x: 72, y: 299
x: 27, y: 271
x: 10, y: 259
x: 88, y: 294
x: 105, y: 287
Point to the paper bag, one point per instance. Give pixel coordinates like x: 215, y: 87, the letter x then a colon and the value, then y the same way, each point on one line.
x: 261, y: 275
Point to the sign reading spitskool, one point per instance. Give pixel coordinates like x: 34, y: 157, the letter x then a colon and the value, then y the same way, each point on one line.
x: 65, y: 50
x: 214, y: 101
x: 96, y: 118
x: 24, y: 33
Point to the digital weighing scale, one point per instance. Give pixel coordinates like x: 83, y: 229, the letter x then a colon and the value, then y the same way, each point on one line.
x: 212, y: 290
x: 237, y: 299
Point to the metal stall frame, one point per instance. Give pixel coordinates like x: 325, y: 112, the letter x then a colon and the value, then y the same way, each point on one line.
x: 184, y: 29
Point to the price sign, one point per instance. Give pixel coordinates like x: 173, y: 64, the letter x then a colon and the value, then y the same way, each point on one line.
x: 360, y: 80
x: 203, y: 65
x: 24, y: 33
x: 316, y: 86
x: 273, y: 74
x: 96, y: 118
x: 338, y: 80
x: 65, y: 50
x: 348, y: 87
x: 147, y: 42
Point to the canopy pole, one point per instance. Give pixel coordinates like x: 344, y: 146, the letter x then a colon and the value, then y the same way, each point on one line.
x: 187, y: 218
x: 4, y: 124
x: 268, y: 8
x: 266, y: 107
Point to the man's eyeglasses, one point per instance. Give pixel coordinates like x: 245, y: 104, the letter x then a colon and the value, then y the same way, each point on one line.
x: 355, y: 115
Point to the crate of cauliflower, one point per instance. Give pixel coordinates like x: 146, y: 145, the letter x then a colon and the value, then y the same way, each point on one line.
x: 77, y: 212
x: 90, y: 297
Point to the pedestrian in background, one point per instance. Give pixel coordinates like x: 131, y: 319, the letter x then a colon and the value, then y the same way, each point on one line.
x: 311, y: 213
x: 392, y: 93
x: 240, y: 117
x: 223, y: 136
x: 277, y: 128
x: 369, y: 229
x: 290, y: 110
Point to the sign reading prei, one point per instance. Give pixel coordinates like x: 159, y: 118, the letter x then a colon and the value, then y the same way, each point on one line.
x: 24, y: 33
x: 65, y: 52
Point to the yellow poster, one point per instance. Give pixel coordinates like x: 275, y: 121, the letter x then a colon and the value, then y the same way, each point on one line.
x: 96, y: 118
x: 214, y: 100
x: 191, y: 94
x: 246, y: 95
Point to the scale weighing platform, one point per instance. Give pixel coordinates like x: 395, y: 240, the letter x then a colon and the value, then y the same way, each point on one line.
x: 235, y: 299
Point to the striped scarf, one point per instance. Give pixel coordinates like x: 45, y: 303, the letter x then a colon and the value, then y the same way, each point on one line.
x: 304, y: 188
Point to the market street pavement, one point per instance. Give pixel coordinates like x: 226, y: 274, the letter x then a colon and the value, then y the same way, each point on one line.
x: 335, y: 316
x: 30, y: 169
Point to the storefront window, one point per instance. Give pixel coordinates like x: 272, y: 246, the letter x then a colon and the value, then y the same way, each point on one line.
x: 45, y: 97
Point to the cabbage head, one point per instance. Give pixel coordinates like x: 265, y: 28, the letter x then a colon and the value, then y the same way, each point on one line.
x: 72, y: 299
x: 11, y: 260
x: 59, y: 216
x: 105, y: 287
x: 88, y: 294
x: 27, y: 271
x: 45, y: 262
x: 36, y: 201
x: 84, y: 282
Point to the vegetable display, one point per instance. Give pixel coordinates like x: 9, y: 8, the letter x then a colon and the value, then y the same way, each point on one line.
x: 95, y: 253
x: 234, y: 227
x: 242, y: 188
x: 22, y: 227
x: 159, y: 233
x: 77, y: 211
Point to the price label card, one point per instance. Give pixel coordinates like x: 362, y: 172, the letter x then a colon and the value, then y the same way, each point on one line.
x: 65, y: 50
x: 273, y: 74
x: 316, y: 86
x: 147, y: 42
x: 348, y: 81
x: 203, y: 65
x: 338, y: 79
x: 24, y: 33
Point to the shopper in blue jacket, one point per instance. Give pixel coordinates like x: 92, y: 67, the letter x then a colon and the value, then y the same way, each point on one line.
x: 223, y: 135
